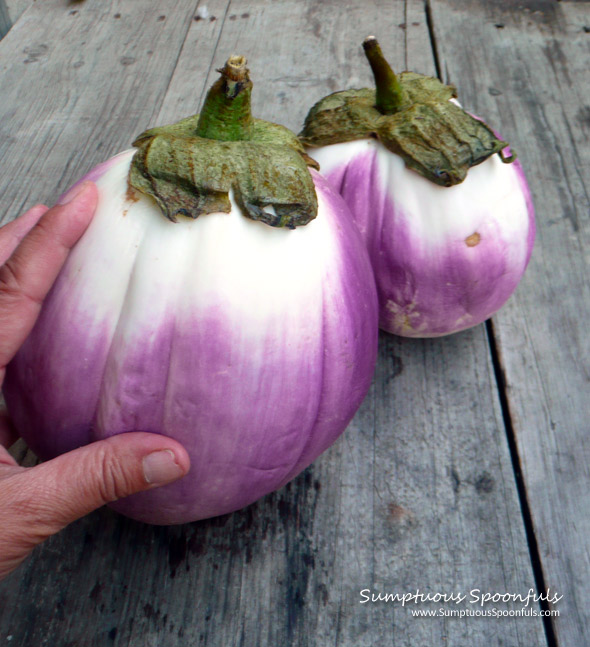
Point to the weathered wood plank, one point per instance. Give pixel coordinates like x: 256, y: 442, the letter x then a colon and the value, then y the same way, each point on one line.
x: 5, y: 22
x: 16, y: 8
x: 524, y: 67
x: 419, y: 493
x: 78, y: 92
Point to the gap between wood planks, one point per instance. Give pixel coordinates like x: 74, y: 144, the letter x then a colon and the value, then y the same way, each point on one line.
x: 500, y: 379
x: 520, y: 486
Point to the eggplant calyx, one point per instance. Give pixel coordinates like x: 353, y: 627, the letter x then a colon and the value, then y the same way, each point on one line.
x: 412, y: 116
x: 189, y: 167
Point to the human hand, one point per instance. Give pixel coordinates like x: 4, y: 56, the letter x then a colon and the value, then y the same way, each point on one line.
x: 37, y: 502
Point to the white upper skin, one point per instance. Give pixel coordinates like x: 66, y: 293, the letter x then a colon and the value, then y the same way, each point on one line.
x: 445, y: 258
x: 219, y: 257
x: 437, y: 213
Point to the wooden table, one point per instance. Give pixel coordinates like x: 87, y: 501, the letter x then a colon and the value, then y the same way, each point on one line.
x: 468, y: 465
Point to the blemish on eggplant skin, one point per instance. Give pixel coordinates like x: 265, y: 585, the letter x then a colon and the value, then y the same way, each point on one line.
x: 473, y: 240
x: 131, y: 195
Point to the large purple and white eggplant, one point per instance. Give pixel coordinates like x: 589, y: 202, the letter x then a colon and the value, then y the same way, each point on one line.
x: 445, y: 214
x: 252, y: 345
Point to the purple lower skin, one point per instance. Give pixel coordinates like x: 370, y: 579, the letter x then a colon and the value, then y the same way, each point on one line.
x: 252, y: 413
x: 49, y: 405
x: 431, y: 285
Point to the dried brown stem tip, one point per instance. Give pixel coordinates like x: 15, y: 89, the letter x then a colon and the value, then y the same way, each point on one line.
x: 370, y: 42
x: 235, y: 69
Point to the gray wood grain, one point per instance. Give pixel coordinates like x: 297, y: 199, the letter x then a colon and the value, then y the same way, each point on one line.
x: 82, y: 80
x: 5, y: 22
x: 419, y: 492
x: 16, y: 8
x: 526, y: 69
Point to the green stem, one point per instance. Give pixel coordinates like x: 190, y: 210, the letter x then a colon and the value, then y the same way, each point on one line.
x: 226, y: 114
x: 390, y: 94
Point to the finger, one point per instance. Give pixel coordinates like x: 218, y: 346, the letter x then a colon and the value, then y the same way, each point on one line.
x: 12, y: 233
x: 29, y: 273
x: 53, y: 494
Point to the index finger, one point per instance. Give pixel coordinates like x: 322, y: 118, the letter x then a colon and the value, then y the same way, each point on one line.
x: 27, y: 276
x: 12, y: 233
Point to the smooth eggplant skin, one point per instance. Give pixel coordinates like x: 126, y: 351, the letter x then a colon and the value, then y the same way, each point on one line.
x: 445, y: 259
x: 251, y: 345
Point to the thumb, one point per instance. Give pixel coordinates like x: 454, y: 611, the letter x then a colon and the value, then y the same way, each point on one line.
x: 55, y: 493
